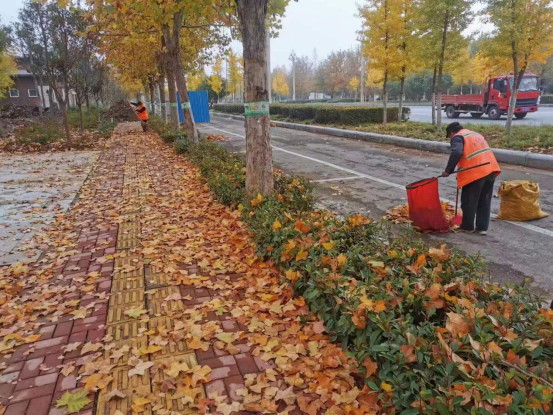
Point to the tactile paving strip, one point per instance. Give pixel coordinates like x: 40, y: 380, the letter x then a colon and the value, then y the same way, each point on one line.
x: 160, y: 306
x: 162, y: 293
x: 127, y: 284
x: 127, y: 242
x: 174, y: 402
x: 156, y: 280
x: 173, y: 348
x: 135, y: 345
x: 130, y: 329
x: 117, y: 314
x: 131, y: 387
x: 124, y: 298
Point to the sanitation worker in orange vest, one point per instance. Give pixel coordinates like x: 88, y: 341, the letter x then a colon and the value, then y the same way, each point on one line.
x: 469, y: 149
x: 142, y: 114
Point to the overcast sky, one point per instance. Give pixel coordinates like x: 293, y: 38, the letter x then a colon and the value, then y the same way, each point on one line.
x: 324, y: 25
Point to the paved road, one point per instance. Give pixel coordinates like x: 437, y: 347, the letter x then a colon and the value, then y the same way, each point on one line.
x: 544, y: 116
x: 355, y: 176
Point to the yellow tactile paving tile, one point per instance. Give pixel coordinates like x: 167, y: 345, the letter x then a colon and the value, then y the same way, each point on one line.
x: 173, y: 348
x: 127, y: 298
x: 127, y: 284
x: 127, y: 330
x: 127, y: 242
x: 174, y: 401
x: 156, y: 280
x: 163, y: 293
x: 131, y: 387
x: 125, y: 349
x: 161, y: 307
x: 117, y: 314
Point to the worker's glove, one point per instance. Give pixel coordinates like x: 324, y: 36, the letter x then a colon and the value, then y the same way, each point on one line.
x: 445, y: 174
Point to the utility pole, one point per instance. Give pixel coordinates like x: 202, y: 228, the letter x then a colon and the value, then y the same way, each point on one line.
x: 293, y: 59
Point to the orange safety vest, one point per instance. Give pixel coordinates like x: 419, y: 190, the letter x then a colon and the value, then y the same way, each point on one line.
x: 476, y: 151
x: 144, y: 114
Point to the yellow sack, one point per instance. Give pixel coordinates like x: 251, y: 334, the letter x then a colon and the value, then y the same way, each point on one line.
x: 520, y: 201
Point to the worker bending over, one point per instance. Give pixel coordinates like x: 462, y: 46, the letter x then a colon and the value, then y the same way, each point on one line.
x: 469, y: 149
x: 142, y: 114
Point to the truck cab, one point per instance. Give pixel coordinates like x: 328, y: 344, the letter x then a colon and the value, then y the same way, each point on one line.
x: 495, y: 98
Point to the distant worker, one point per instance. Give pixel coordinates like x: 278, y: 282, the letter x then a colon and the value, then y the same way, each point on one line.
x: 142, y: 114
x: 470, y: 149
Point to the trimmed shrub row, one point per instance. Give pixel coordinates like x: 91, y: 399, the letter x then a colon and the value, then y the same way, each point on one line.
x: 324, y: 114
x: 430, y: 334
x: 546, y: 99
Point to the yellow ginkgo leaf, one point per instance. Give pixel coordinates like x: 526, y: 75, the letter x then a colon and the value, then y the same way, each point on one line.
x: 328, y: 245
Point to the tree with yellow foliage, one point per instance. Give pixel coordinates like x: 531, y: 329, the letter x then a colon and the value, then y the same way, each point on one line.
x: 353, y: 85
x: 464, y: 73
x: 382, y: 21
x: 280, y: 85
x: 523, y: 32
x: 216, y: 80
x: 236, y: 75
x: 194, y: 80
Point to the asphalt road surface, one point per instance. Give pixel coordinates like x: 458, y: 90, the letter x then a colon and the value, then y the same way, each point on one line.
x: 355, y: 176
x: 544, y: 116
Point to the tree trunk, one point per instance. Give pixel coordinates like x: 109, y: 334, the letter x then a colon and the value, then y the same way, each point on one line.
x: 163, y: 100
x: 513, y: 101
x: 152, y: 96
x: 42, y: 97
x: 81, y: 122
x: 441, y: 70
x: 433, y: 97
x: 172, y: 41
x: 401, y: 91
x: 461, y: 89
x: 39, y: 94
x: 259, y: 159
x: 173, y: 98
x: 385, y: 98
x: 87, y: 102
x: 65, y: 108
x: 517, y: 77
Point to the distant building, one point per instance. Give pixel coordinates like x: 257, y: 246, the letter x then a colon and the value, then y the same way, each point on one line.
x: 25, y: 92
x: 318, y: 95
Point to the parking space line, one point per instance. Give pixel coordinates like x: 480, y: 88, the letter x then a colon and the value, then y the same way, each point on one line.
x: 337, y: 179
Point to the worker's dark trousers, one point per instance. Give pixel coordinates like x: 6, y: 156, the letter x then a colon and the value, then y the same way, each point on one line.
x: 476, y: 202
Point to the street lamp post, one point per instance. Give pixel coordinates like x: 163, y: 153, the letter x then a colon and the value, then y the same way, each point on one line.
x: 293, y: 59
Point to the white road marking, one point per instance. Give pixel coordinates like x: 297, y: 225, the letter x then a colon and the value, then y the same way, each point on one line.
x: 337, y: 179
x: 527, y: 226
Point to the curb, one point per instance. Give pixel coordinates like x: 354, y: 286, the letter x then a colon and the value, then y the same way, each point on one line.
x: 521, y: 158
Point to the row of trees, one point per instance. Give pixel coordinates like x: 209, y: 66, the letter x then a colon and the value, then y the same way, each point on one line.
x: 51, y: 38
x: 402, y: 37
x: 155, y: 43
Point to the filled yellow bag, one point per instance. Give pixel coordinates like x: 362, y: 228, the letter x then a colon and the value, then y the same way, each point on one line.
x: 520, y: 201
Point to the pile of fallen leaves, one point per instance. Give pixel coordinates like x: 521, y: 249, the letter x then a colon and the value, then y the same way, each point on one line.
x: 121, y: 111
x: 429, y: 335
x: 215, y: 137
x: 400, y: 214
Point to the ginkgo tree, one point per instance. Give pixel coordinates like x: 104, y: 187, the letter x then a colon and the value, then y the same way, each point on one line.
x: 382, y: 22
x: 353, y: 85
x: 216, y: 79
x: 280, y: 85
x: 523, y: 33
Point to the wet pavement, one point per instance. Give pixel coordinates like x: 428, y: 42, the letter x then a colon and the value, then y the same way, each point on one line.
x: 34, y: 188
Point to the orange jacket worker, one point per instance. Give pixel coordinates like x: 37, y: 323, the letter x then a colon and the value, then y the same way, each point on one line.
x: 470, y: 149
x: 142, y: 114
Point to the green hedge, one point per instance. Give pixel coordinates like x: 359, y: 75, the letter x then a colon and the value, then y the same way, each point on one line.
x: 430, y: 335
x: 546, y: 99
x: 324, y: 114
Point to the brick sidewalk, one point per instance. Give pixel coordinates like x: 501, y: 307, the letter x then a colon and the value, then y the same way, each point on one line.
x: 195, y: 322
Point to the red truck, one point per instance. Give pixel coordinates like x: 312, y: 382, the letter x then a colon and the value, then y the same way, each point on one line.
x: 494, y: 100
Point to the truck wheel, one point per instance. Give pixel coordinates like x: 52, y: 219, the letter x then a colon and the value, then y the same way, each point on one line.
x: 521, y: 115
x: 451, y: 113
x: 476, y: 115
x: 494, y: 113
